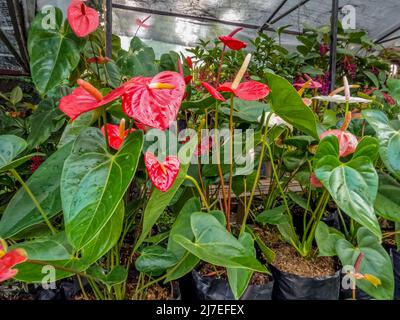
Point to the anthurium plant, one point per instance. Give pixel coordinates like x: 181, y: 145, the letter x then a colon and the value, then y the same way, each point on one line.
x: 156, y: 164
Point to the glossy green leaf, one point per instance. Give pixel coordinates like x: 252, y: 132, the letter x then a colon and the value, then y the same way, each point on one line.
x: 106, y: 239
x: 375, y: 262
x: 54, y: 51
x: 155, y: 260
x: 387, y: 203
x: 239, y: 278
x: 389, y: 139
x: 10, y: 147
x: 181, y: 224
x: 44, y: 121
x: 55, y: 247
x: 215, y: 245
x: 286, y: 103
x: 16, y: 95
x: 76, y: 127
x: 21, y: 213
x: 326, y: 238
x: 92, y: 252
x: 187, y: 261
x: 353, y: 185
x: 138, y: 61
x: 278, y: 217
x: 94, y: 182
x: 247, y: 111
x: 160, y: 200
x: 394, y: 88
x: 117, y: 275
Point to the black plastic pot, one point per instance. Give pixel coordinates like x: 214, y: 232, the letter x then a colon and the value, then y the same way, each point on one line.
x: 209, y: 288
x: 396, y: 269
x: 289, y: 286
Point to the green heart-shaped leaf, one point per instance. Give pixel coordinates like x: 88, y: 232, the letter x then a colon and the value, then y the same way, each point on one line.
x: 375, y: 262
x: 353, y: 185
x: 389, y: 139
x: 54, y: 51
x: 94, y: 181
x: 215, y: 245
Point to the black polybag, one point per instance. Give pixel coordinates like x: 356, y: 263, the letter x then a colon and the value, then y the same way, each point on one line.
x: 209, y: 288
x: 289, y: 286
x: 396, y: 269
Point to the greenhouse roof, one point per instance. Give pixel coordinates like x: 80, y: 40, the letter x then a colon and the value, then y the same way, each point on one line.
x: 177, y: 24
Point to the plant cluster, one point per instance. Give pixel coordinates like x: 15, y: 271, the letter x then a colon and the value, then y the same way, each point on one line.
x: 104, y: 202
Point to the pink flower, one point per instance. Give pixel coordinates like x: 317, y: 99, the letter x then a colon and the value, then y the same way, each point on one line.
x: 347, y: 141
x: 323, y: 49
x: 315, y: 182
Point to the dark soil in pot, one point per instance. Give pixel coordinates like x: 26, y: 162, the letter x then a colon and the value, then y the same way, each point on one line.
x: 67, y: 289
x: 213, y: 285
x: 298, y: 278
x: 170, y: 291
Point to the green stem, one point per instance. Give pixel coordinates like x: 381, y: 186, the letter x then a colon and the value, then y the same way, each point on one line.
x: 203, y: 198
x: 230, y: 162
x: 34, y: 200
x: 258, y: 173
x: 325, y: 199
x: 217, y: 148
x: 275, y: 173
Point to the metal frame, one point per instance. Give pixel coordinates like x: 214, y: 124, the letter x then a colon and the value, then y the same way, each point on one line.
x: 286, y: 13
x: 392, y: 30
x: 267, y: 23
x: 197, y: 18
x: 390, y: 39
x: 333, y: 48
x: 109, y: 6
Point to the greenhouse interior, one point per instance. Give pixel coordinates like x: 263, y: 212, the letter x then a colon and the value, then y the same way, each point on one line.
x: 198, y: 150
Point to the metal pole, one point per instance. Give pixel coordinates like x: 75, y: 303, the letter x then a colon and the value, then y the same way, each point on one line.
x: 333, y: 49
x: 388, y: 33
x: 298, y: 6
x: 273, y: 15
x: 109, y: 29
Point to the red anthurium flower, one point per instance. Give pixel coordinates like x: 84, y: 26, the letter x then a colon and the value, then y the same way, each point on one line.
x: 162, y: 174
x: 142, y: 23
x: 347, y: 141
x: 83, y: 99
x: 116, y: 134
x: 214, y: 92
x: 189, y: 62
x: 250, y: 90
x: 155, y: 102
x: 315, y: 181
x: 98, y: 60
x: 188, y: 79
x: 8, y: 260
x: 233, y: 43
x: 82, y: 19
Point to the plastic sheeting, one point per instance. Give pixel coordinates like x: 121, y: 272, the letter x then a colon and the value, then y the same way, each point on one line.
x: 164, y: 31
